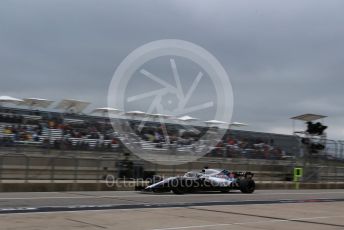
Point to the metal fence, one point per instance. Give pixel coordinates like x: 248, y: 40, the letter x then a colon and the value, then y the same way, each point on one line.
x: 26, y: 163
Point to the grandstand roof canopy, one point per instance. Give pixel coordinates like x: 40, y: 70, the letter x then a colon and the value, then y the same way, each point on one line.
x: 215, y: 122
x: 308, y: 117
x: 8, y: 99
x: 135, y: 113
x: 160, y: 115
x: 36, y: 102
x: 187, y: 118
x: 73, y: 121
x: 238, y: 124
x: 106, y: 110
x: 74, y: 106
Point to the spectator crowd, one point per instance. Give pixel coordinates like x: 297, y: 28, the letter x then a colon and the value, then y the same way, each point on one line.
x: 52, y: 131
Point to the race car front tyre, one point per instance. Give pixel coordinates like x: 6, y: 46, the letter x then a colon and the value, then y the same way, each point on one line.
x: 247, y: 186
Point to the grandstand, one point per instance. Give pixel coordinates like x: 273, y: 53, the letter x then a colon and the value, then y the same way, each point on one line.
x: 75, y: 131
x: 71, y: 131
x: 42, y: 136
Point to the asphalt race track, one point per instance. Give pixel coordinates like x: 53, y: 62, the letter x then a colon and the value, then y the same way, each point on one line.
x: 265, y: 209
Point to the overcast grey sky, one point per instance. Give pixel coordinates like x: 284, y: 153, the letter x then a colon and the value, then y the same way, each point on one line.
x: 284, y: 58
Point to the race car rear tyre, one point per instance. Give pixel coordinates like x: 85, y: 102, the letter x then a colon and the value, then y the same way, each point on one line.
x: 247, y: 186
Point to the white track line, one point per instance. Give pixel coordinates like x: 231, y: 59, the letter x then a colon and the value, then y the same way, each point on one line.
x: 163, y: 195
x: 245, y: 223
x: 126, y: 210
x: 147, y: 205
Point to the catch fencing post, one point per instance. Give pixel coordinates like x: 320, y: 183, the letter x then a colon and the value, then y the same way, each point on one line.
x: 76, y: 166
x: 1, y: 166
x: 52, y: 170
x: 98, y: 169
x: 27, y: 168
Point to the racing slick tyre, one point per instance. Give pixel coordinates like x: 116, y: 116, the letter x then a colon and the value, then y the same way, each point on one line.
x: 247, y: 185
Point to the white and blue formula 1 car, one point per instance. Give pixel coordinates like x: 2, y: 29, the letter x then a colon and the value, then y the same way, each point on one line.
x: 207, y: 180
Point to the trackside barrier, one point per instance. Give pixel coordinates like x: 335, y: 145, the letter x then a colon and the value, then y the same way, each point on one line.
x: 53, y: 165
